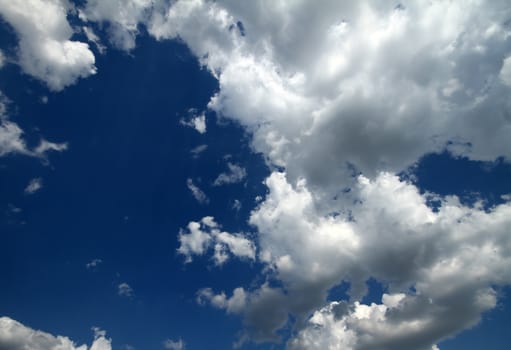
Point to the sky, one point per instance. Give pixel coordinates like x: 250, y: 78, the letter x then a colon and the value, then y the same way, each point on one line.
x: 198, y: 174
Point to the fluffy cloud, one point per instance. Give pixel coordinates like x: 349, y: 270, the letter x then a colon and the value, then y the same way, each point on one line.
x: 199, y: 237
x: 45, y: 51
x: 198, y: 122
x: 365, y: 88
x: 16, y: 336
x: 236, y: 174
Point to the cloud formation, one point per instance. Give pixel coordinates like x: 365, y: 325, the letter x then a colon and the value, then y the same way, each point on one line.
x: 338, y: 108
x: 199, y: 237
x: 366, y: 88
x: 11, y: 137
x: 45, y: 50
x: 16, y: 336
x: 197, y: 122
x: 34, y: 185
x: 197, y: 193
x: 236, y: 174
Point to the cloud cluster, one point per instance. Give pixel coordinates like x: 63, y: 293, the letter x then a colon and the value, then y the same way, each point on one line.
x: 338, y: 108
x: 45, y: 49
x: 16, y: 336
x: 365, y: 88
x: 199, y: 237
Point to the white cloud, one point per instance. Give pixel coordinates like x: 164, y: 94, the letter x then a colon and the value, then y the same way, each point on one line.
x: 236, y: 205
x: 198, y: 150
x: 2, y: 59
x: 174, y: 345
x: 45, y: 51
x: 365, y: 88
x: 11, y: 137
x: 16, y: 336
x: 93, y: 264
x: 198, y: 122
x: 122, y: 17
x: 93, y: 38
x: 199, y: 237
x: 34, y: 185
x: 236, y: 174
x: 197, y: 193
x: 125, y: 290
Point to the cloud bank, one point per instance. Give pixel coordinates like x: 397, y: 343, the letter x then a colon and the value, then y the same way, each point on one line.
x: 16, y: 336
x: 338, y: 108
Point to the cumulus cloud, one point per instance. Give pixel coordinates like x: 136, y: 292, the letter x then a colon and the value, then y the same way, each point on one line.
x: 174, y: 344
x: 197, y: 193
x: 343, y: 105
x: 11, y: 137
x: 125, y: 290
x: 45, y: 51
x: 16, y: 336
x: 197, y: 122
x: 2, y: 59
x: 34, y: 185
x: 236, y: 174
x: 200, y: 236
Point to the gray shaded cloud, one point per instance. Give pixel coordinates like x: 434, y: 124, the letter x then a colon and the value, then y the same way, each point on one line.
x: 16, y: 336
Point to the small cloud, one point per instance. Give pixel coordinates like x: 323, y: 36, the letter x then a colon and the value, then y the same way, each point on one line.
x: 125, y: 290
x: 14, y: 209
x: 45, y: 146
x: 44, y: 99
x: 198, y: 150
x: 98, y: 332
x: 236, y: 205
x: 198, y: 122
x: 234, y: 175
x: 34, y: 185
x: 2, y: 59
x: 93, y: 38
x: 93, y: 264
x: 174, y: 345
x: 199, y: 195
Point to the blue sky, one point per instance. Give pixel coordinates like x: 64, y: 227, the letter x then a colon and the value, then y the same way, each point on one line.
x: 196, y: 174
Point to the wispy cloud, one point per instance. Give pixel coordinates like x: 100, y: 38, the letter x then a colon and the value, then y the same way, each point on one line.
x: 197, y: 193
x: 34, y: 185
x: 235, y: 174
